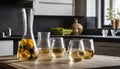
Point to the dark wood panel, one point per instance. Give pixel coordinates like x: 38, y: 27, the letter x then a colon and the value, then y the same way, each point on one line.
x: 107, y: 48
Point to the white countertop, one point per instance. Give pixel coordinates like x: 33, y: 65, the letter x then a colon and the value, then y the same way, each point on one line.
x: 98, y: 61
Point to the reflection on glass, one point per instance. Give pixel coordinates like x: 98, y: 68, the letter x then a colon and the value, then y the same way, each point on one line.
x: 27, y: 49
x: 58, y: 47
x: 89, y: 48
x: 75, y: 50
x: 43, y: 44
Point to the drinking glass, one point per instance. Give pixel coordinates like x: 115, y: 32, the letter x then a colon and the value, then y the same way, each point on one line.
x: 75, y: 50
x: 88, y: 45
x: 58, y: 47
x: 113, y: 32
x: 104, y: 32
x: 43, y: 44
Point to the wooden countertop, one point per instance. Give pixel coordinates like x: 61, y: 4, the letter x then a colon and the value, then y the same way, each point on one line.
x: 97, y: 62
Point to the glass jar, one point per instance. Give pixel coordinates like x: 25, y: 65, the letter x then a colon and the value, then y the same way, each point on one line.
x: 27, y: 49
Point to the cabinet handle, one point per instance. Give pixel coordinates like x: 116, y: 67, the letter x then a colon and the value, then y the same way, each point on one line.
x: 55, y: 3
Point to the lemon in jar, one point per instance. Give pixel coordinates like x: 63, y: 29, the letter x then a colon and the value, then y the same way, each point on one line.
x: 23, y: 42
x: 29, y: 45
x: 25, y: 54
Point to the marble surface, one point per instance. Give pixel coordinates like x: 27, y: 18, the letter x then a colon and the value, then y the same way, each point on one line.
x: 98, y: 61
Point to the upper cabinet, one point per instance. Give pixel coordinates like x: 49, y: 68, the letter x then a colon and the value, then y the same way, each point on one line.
x: 54, y: 7
x: 63, y: 7
x: 9, y: 2
x: 85, y: 8
x: 56, y: 1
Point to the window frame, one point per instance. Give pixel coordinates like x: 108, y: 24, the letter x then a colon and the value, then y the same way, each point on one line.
x: 106, y: 5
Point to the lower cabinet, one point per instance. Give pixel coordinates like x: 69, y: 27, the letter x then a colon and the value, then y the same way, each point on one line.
x: 103, y: 47
x: 6, y: 47
x: 107, y: 48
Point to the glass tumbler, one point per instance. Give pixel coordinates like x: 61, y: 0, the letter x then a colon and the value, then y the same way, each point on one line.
x: 58, y: 47
x: 113, y: 32
x: 43, y: 45
x: 75, y: 50
x: 104, y: 32
x: 88, y: 45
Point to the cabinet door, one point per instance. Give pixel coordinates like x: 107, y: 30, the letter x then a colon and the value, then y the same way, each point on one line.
x: 6, y: 47
x: 107, y: 48
x: 61, y: 9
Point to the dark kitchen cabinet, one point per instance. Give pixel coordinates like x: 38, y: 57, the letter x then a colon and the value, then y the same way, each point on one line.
x: 107, y: 48
x: 16, y: 3
x: 10, y: 2
x: 103, y: 45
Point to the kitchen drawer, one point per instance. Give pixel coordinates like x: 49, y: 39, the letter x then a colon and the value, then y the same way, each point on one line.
x: 55, y: 1
x: 107, y: 48
x: 53, y: 9
x: 6, y: 47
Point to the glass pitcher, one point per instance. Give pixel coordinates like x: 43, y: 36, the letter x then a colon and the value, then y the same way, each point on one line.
x: 27, y: 49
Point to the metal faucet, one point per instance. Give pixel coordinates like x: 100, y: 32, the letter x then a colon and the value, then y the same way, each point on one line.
x: 9, y: 33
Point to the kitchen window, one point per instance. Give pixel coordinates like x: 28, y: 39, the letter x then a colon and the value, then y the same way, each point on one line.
x: 111, y: 4
x: 116, y: 4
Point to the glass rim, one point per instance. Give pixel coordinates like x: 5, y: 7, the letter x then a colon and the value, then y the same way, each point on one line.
x: 56, y: 37
x: 43, y: 32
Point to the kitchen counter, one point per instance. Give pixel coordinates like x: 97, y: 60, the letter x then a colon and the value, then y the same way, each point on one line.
x: 97, y: 62
x: 95, y: 37
x: 87, y: 36
x: 10, y: 38
x: 68, y: 36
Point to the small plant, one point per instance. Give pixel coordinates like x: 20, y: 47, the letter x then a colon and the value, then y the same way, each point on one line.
x: 114, y: 16
x: 111, y: 14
